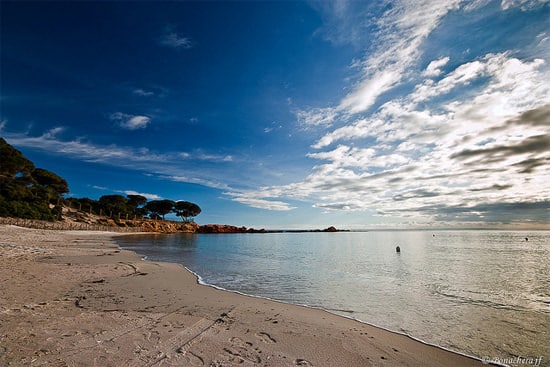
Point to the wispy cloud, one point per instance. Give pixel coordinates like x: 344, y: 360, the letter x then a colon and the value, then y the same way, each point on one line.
x: 316, y: 117
x: 49, y: 141
x: 397, y: 36
x: 130, y: 122
x: 143, y: 93
x: 173, y: 39
x: 165, y: 165
x: 260, y: 203
x: 401, y: 32
x: 522, y: 4
x: 201, y: 155
x: 216, y: 184
x: 144, y: 194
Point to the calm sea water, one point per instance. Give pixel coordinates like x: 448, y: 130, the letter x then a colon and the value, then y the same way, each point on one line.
x: 481, y: 293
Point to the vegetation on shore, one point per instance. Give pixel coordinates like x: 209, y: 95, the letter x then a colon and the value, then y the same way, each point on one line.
x: 36, y: 193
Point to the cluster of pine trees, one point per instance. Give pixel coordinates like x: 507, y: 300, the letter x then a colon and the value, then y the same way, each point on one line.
x: 36, y: 193
x: 133, y: 206
x: 27, y: 191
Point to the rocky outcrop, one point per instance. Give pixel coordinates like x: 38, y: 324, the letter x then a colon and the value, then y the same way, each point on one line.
x: 143, y: 224
x: 225, y: 228
x: 168, y: 226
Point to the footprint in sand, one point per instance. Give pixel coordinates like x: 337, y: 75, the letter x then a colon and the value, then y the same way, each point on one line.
x: 240, y: 355
x: 58, y: 363
x: 236, y: 341
x: 241, y: 351
x: 265, y: 337
x: 302, y: 362
x: 193, y: 359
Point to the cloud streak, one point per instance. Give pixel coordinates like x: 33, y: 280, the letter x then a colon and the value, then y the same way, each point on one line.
x: 144, y: 194
x: 398, y: 35
x: 130, y: 122
x: 166, y: 165
x: 173, y: 39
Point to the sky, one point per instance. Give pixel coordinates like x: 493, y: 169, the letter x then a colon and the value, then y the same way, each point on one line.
x: 290, y: 114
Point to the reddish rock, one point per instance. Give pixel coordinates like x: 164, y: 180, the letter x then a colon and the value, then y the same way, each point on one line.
x: 220, y: 228
x: 166, y: 226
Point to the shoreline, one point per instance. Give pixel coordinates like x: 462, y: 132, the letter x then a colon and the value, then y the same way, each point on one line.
x: 201, y: 282
x: 76, y: 298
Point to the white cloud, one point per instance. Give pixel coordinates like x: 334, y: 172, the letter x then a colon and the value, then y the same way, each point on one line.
x: 369, y: 90
x: 146, y: 195
x: 53, y: 132
x: 136, y: 122
x: 522, y: 4
x: 129, y: 192
x: 198, y: 181
x: 130, y: 122
x: 260, y: 203
x: 513, y: 86
x: 462, y: 75
x: 143, y: 92
x: 434, y: 68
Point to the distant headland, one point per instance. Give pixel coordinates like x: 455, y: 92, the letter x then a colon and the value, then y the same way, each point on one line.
x: 73, y: 219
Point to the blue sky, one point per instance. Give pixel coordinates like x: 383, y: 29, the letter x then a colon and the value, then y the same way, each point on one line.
x: 287, y: 114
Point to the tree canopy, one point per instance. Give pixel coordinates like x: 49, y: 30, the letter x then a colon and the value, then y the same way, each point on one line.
x: 160, y: 207
x: 186, y: 210
x: 13, y: 164
x: 35, y: 193
x: 50, y: 181
x: 26, y: 191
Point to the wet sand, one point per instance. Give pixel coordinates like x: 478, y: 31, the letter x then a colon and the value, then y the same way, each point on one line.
x: 72, y: 298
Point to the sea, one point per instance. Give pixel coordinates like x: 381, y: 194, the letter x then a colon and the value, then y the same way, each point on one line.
x: 480, y: 293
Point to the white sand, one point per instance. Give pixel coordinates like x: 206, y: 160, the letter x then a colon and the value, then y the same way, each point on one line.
x: 74, y: 299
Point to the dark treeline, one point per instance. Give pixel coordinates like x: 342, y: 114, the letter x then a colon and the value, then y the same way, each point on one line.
x: 135, y: 206
x: 36, y: 193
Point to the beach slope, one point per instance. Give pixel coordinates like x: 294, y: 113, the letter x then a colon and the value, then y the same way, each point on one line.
x: 74, y: 299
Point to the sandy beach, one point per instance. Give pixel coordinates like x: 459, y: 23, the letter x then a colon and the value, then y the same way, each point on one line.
x: 72, y: 298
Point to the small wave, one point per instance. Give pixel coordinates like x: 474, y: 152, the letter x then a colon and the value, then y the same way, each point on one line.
x: 480, y: 302
x: 339, y: 310
x: 201, y: 281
